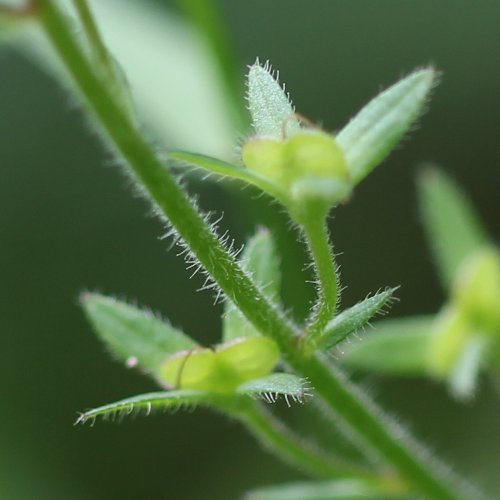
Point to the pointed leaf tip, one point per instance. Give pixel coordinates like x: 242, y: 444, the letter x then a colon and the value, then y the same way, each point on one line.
x: 271, y: 110
x: 145, y: 404
x: 136, y: 336
x: 353, y: 319
x: 370, y: 136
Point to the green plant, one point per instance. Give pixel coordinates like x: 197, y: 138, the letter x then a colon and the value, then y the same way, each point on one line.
x: 320, y: 172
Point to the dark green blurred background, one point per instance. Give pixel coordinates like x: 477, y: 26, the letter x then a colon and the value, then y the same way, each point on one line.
x: 68, y: 222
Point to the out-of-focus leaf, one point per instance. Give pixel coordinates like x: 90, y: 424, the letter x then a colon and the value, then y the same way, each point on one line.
x: 453, y: 228
x: 261, y: 261
x: 353, y: 319
x: 398, y: 346
x: 134, y: 335
x: 344, y: 489
x: 369, y: 137
x: 147, y: 403
x: 270, y: 107
x: 275, y: 385
x: 172, y: 74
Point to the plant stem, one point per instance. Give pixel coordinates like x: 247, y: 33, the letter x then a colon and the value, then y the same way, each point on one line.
x: 344, y: 398
x: 316, y: 233
x: 294, y: 449
x: 99, y: 50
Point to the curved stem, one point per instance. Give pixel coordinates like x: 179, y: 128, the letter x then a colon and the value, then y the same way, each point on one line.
x: 316, y: 233
x: 343, y: 397
x: 273, y: 434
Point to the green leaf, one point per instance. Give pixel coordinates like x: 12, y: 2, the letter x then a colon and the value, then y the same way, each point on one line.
x: 275, y: 385
x: 342, y: 489
x: 369, y: 137
x: 353, y: 319
x: 147, y: 403
x: 270, y: 107
x: 396, y: 346
x: 135, y: 336
x: 259, y: 259
x: 230, y: 171
x: 453, y: 228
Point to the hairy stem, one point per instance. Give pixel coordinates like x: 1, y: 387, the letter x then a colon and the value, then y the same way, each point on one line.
x: 316, y: 233
x: 274, y: 435
x: 345, y: 399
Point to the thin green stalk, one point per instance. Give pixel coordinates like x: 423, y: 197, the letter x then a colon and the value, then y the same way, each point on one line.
x: 99, y: 50
x: 273, y: 434
x: 344, y: 398
x: 316, y: 233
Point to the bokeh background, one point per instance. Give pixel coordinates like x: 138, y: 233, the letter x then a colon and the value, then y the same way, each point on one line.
x: 69, y: 222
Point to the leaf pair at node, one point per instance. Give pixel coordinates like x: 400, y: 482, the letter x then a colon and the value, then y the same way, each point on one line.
x: 241, y: 365
x: 307, y: 169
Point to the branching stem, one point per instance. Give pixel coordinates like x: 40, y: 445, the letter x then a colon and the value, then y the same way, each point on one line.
x: 316, y: 233
x: 405, y: 456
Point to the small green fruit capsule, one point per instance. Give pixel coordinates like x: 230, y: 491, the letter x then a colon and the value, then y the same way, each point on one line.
x: 265, y: 155
x: 222, y: 370
x: 251, y: 357
x: 315, y: 153
x: 477, y: 290
x: 193, y: 369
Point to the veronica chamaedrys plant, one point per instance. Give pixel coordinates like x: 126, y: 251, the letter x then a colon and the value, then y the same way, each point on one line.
x: 309, y: 170
x: 463, y: 339
x: 262, y: 352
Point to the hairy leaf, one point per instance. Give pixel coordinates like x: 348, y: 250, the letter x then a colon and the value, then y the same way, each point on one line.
x: 453, y: 228
x: 398, y: 346
x: 134, y: 335
x: 146, y: 403
x: 270, y: 107
x: 353, y: 319
x: 369, y: 137
x: 275, y: 385
x: 260, y: 259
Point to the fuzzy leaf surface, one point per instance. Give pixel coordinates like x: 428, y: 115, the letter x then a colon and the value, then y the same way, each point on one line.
x: 146, y: 403
x: 454, y: 230
x: 274, y: 385
x: 260, y: 259
x: 398, y: 346
x: 370, y: 136
x: 270, y: 107
x: 133, y: 334
x: 353, y: 319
